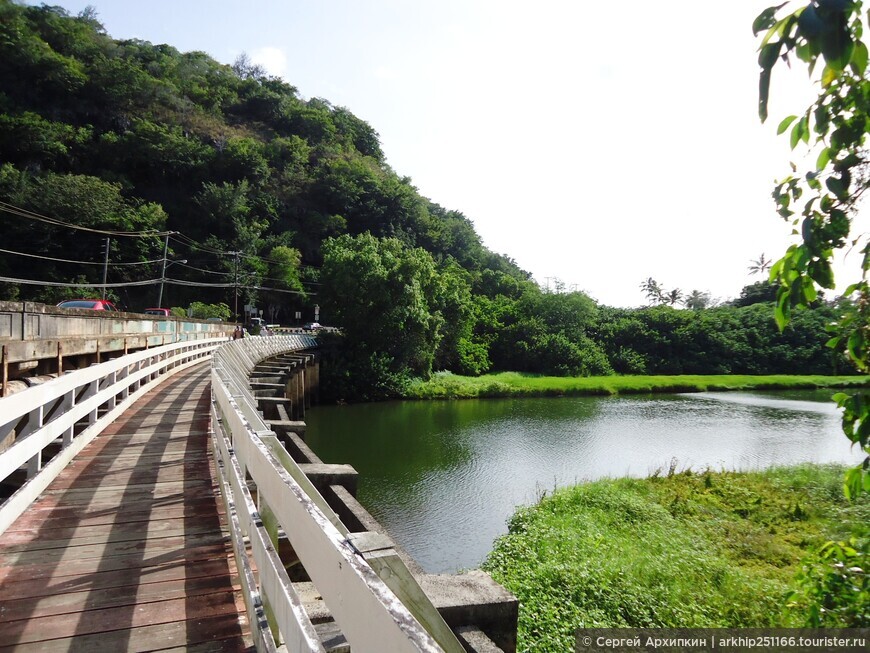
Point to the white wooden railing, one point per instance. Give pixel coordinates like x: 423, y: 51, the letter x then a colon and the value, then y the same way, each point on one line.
x: 359, y: 587
x: 366, y: 609
x: 73, y: 409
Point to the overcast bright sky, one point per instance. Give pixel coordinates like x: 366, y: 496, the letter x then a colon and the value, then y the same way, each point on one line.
x: 600, y: 143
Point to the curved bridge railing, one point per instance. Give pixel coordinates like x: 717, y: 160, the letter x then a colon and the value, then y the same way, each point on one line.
x: 49, y: 424
x: 264, y: 489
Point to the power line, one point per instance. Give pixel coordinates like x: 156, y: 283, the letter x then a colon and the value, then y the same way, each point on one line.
x: 32, y: 282
x: 147, y: 282
x: 66, y: 260
x: 180, y: 282
x: 30, y: 215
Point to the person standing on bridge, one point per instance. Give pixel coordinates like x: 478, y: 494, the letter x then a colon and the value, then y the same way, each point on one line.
x: 237, y: 333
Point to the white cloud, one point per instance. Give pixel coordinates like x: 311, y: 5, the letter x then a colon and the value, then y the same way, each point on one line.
x: 273, y: 59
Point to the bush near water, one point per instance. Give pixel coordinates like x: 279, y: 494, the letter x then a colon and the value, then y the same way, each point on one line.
x: 681, y: 550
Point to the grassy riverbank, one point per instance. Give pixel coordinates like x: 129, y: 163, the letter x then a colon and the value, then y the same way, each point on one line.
x: 445, y: 385
x: 678, y: 550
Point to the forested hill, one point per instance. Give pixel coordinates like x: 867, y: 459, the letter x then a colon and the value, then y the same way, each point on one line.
x: 262, y: 197
x: 126, y: 135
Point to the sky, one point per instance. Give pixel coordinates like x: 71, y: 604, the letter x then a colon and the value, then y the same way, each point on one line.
x: 595, y: 143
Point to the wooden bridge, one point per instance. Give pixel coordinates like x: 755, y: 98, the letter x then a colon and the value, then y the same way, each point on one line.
x: 126, y: 549
x: 156, y: 509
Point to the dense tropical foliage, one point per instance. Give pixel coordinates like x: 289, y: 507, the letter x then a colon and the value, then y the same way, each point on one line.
x: 250, y: 194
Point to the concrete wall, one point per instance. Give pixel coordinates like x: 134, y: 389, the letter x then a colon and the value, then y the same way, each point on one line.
x: 37, y: 339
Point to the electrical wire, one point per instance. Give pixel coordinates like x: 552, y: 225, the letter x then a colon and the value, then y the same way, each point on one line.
x: 147, y: 282
x: 30, y: 215
x: 177, y: 236
x: 180, y: 282
x: 31, y: 282
x: 66, y: 260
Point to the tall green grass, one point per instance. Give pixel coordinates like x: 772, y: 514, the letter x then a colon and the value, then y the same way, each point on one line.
x: 677, y: 550
x: 445, y: 385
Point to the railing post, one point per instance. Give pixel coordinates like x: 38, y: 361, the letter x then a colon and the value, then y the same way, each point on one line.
x: 34, y: 423
x: 69, y: 400
x: 5, y: 355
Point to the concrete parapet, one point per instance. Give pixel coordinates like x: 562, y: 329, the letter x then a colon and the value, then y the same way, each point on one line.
x: 474, y: 598
x: 324, y: 475
x: 481, y: 613
x: 40, y: 339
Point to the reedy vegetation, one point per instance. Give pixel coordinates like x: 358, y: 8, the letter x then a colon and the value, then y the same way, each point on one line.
x: 677, y: 550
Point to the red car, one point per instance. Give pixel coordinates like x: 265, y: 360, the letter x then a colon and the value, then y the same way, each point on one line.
x: 93, y: 304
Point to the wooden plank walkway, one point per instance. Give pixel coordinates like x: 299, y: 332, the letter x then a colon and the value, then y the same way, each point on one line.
x: 127, y: 550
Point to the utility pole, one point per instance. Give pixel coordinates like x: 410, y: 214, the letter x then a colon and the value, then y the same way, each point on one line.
x: 105, y: 268
x: 163, y: 272
x: 236, y: 287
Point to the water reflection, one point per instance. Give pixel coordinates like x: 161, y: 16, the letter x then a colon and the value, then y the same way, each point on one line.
x: 443, y: 477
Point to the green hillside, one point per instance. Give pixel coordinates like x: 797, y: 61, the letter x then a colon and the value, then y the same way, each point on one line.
x: 262, y: 197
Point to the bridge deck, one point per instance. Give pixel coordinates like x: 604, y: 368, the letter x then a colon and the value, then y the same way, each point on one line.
x: 126, y: 549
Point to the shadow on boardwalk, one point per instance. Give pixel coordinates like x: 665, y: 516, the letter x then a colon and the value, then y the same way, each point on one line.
x: 125, y: 551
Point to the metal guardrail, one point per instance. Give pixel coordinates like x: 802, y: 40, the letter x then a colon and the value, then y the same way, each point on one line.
x: 362, y: 601
x: 73, y: 409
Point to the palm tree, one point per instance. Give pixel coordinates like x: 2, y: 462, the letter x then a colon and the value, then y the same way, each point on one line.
x: 760, y: 266
x: 653, y: 291
x: 697, y: 300
x: 673, y: 297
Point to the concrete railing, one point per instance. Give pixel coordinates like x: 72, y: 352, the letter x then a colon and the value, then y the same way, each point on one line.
x: 37, y: 339
x: 265, y: 490
x: 50, y: 423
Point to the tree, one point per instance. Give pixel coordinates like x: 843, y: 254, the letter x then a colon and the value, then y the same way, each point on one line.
x: 696, y: 300
x: 756, y: 293
x: 386, y: 299
x: 283, y: 275
x: 653, y: 291
x: 825, y: 35
x: 760, y: 266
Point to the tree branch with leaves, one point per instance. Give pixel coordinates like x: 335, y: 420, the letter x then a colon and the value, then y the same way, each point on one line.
x: 822, y: 202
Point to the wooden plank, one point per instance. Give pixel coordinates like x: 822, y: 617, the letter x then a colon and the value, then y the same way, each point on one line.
x: 51, y: 517
x: 102, y: 580
x: 119, y: 596
x: 126, y: 549
x: 188, y: 614
x: 105, y: 533
x: 145, y: 548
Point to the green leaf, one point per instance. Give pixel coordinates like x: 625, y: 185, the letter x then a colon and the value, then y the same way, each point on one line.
x: 829, y: 75
x: 765, y: 20
x: 853, y: 483
x: 837, y: 186
x: 782, y: 313
x: 859, y: 59
x: 763, y: 93
x: 821, y: 119
x: 809, y: 290
x: 795, y: 134
x: 824, y: 158
x: 837, y: 47
x: 784, y: 124
x: 855, y: 344
x: 822, y: 273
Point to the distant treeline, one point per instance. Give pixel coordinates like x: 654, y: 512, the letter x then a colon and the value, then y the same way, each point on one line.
x: 286, y: 203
